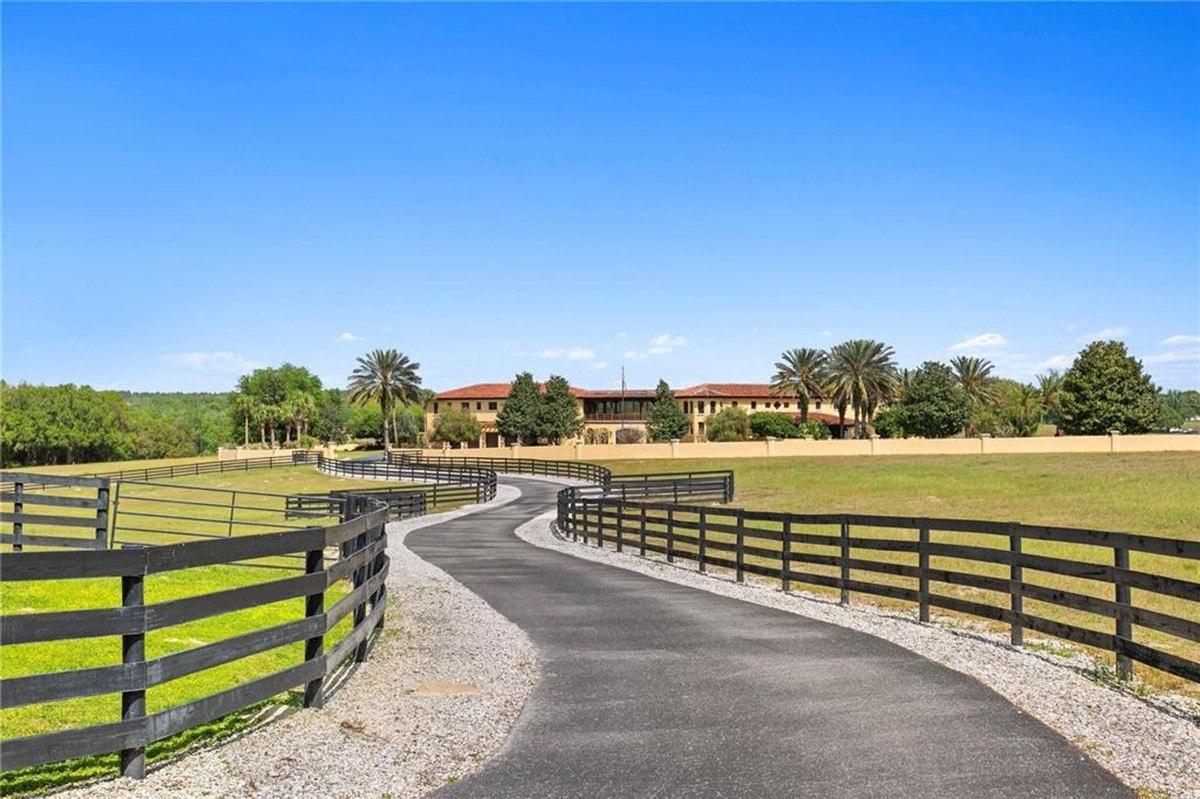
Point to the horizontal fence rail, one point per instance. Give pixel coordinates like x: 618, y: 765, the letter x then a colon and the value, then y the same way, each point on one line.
x: 446, y: 482
x: 909, y: 559
x: 49, y: 510
x: 572, y: 469
x: 349, y: 553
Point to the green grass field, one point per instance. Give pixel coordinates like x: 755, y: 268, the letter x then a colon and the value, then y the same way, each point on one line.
x: 1152, y: 494
x: 172, y: 499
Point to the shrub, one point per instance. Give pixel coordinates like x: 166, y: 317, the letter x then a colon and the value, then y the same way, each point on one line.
x: 307, y: 442
x: 935, y: 405
x: 887, y: 423
x: 818, y: 431
x: 765, y: 424
x: 730, y: 424
x: 629, y: 435
x: 1105, y: 389
x: 666, y: 421
x: 456, y: 426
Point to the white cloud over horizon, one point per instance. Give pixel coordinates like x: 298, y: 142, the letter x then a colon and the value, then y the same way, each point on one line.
x: 1103, y: 334
x: 1179, y: 340
x: 983, y: 341
x: 348, y: 338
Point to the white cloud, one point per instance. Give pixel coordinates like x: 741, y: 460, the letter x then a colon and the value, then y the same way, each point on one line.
x: 663, y: 344
x: 622, y: 334
x: 984, y: 341
x: 211, y: 362
x: 1179, y: 340
x: 348, y: 338
x: 1103, y: 334
x: 1188, y: 355
x: 572, y: 354
x: 1055, y: 362
x: 826, y: 334
x: 633, y: 355
x: 598, y: 365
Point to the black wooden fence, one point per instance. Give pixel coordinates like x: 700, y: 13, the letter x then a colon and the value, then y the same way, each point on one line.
x: 578, y: 470
x: 63, y: 507
x: 353, y: 549
x: 918, y: 565
x: 445, y: 483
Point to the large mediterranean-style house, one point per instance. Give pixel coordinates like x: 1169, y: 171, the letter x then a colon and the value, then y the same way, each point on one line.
x: 606, y: 411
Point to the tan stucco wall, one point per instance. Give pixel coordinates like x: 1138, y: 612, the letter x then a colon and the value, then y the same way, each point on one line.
x: 795, y: 448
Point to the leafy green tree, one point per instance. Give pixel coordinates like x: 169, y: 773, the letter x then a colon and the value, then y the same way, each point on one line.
x: 1105, y: 389
x: 975, y: 377
x: 366, y: 421
x: 1020, y: 411
x: 862, y: 376
x: 456, y: 426
x: 560, y: 417
x: 1178, y: 408
x: 729, y: 424
x: 409, y: 424
x: 818, y: 431
x: 887, y: 421
x: 520, y: 418
x: 331, y: 422
x: 63, y: 424
x: 801, y: 373
x: 766, y: 424
x: 935, y: 405
x: 386, y: 377
x: 666, y: 421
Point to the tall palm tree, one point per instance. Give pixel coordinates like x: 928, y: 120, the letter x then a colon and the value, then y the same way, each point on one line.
x: 801, y: 374
x: 1050, y: 388
x: 975, y: 377
x: 246, y: 406
x: 386, y: 377
x: 862, y: 374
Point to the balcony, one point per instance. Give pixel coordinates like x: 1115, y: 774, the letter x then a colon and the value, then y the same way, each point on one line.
x: 615, y: 417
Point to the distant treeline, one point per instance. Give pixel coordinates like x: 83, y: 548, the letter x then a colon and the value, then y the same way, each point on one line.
x: 46, y: 425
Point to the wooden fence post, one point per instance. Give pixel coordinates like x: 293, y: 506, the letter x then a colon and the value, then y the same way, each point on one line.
x: 102, y: 516
x: 583, y: 505
x: 670, y: 535
x: 845, y: 564
x: 1124, y: 625
x: 703, y: 536
x: 314, y: 605
x: 18, y: 512
x: 642, y: 534
x: 620, y: 519
x: 1014, y: 583
x: 786, y: 555
x: 133, y: 651
x: 741, y: 546
x: 600, y: 523
x: 923, y: 568
x: 360, y: 578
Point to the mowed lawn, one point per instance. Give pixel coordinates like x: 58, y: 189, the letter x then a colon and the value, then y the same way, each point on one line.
x: 1151, y: 494
x: 172, y: 498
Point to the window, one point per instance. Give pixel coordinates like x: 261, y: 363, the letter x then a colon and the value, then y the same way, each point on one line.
x: 785, y: 404
x: 735, y: 403
x: 712, y: 406
x: 753, y: 404
x: 435, y: 407
x: 491, y: 406
x: 466, y: 406
x: 479, y: 406
x: 776, y: 403
x: 818, y: 405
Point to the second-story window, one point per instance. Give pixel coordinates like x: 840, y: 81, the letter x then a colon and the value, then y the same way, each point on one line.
x: 466, y: 406
x: 753, y: 405
x: 435, y: 407
x: 491, y: 406
x: 735, y: 403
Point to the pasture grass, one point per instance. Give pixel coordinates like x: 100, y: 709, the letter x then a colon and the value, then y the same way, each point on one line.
x: 167, y: 499
x: 1145, y: 493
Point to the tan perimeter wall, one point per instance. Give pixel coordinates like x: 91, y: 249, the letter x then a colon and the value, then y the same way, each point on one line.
x: 800, y: 448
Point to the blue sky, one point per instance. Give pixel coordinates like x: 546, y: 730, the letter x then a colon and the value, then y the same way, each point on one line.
x: 686, y: 190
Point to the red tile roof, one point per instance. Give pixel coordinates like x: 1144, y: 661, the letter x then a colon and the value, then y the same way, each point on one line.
x: 492, y: 391
x: 732, y: 390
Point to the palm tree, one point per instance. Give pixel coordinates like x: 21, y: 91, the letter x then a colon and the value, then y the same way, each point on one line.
x: 1049, y: 388
x: 975, y: 376
x: 801, y: 374
x: 862, y: 375
x: 246, y: 406
x: 386, y: 377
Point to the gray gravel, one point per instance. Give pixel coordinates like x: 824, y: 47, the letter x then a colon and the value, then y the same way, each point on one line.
x: 1150, y: 743
x: 437, y: 698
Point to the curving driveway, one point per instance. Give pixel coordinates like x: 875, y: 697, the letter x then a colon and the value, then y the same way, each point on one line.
x: 651, y: 689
